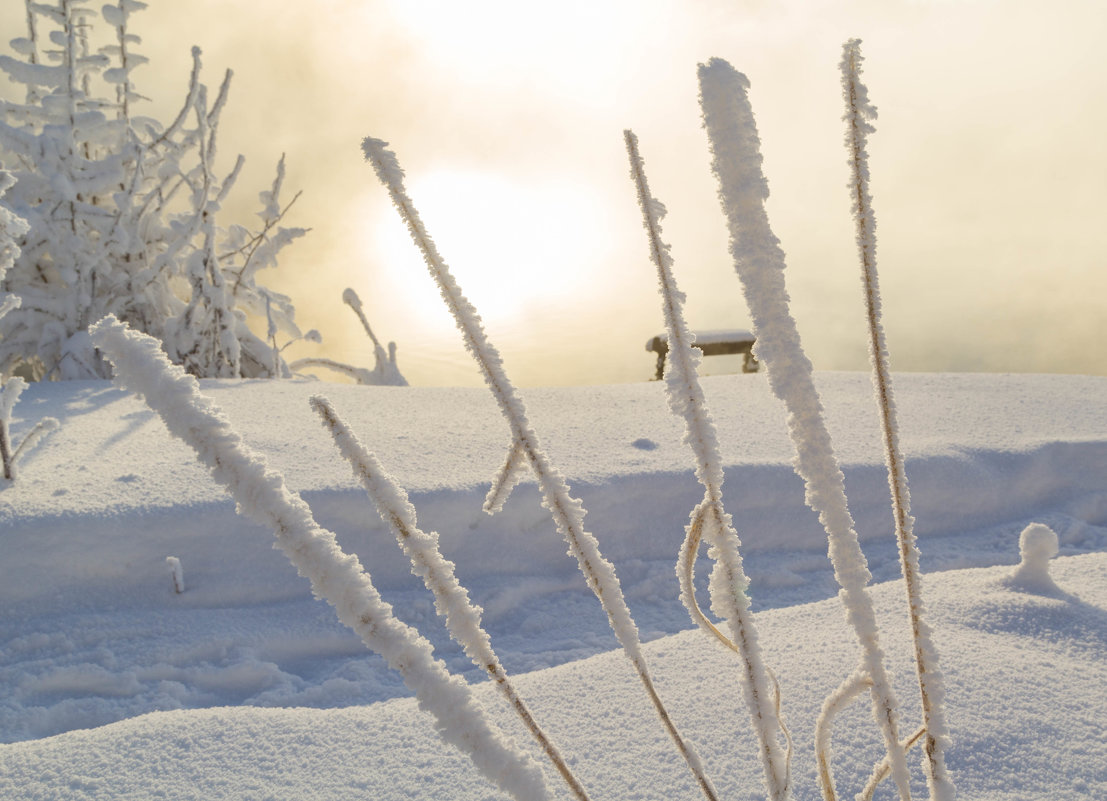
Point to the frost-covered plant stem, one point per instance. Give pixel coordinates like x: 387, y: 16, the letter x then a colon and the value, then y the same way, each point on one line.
x: 261, y: 495
x: 832, y: 705
x: 463, y: 618
x: 9, y: 394
x: 882, y: 770
x: 858, y: 117
x: 510, y: 474
x: 567, y: 512
x: 385, y: 371
x: 687, y: 400
x: 176, y: 573
x: 759, y: 262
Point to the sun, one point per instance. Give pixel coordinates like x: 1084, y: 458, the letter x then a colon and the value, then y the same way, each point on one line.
x: 512, y: 247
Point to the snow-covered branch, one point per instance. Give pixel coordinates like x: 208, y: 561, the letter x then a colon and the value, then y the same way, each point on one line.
x: 124, y: 213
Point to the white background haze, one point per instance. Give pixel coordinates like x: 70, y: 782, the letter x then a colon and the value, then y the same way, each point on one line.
x: 988, y: 167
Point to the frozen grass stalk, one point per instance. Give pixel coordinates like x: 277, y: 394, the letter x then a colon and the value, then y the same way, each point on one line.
x: 832, y: 705
x: 759, y: 262
x: 463, y: 618
x: 567, y: 512
x: 728, y: 600
x: 858, y: 117
x: 9, y: 395
x: 176, y: 573
x: 261, y: 494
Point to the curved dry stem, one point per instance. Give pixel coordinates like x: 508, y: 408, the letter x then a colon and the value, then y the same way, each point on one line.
x: 40, y: 430
x: 847, y: 691
x: 790, y: 750
x: 687, y: 561
x: 882, y: 769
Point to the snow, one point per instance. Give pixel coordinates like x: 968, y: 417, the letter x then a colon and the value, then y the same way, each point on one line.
x: 719, y: 336
x: 114, y: 686
x: 1037, y: 545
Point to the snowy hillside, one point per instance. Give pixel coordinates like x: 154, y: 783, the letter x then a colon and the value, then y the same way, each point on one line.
x: 92, y: 633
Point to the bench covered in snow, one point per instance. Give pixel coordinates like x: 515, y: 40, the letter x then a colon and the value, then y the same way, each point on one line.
x: 719, y: 342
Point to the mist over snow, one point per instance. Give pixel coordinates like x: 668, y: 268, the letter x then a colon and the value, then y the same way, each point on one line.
x: 509, y: 118
x: 114, y: 685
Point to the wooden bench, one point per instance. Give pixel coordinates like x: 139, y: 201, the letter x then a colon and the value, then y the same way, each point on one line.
x: 711, y: 343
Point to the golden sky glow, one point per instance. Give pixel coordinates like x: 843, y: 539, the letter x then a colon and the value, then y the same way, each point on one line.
x: 989, y: 170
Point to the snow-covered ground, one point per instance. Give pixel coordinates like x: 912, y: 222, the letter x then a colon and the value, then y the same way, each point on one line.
x: 114, y: 686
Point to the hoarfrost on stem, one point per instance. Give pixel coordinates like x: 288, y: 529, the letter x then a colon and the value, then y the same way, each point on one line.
x: 858, y: 117
x: 463, y: 617
x: 385, y: 373
x: 687, y: 400
x: 261, y: 494
x: 759, y: 262
x: 567, y: 512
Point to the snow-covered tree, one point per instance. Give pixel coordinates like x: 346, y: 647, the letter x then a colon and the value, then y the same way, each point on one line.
x: 12, y: 228
x: 123, y: 211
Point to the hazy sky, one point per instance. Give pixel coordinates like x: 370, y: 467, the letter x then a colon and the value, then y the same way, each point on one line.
x: 989, y: 170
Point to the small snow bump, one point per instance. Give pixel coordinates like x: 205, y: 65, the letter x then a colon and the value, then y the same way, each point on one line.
x: 644, y: 444
x: 1037, y: 545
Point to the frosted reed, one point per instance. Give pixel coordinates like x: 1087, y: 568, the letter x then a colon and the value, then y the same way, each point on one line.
x: 687, y: 401
x: 261, y: 494
x: 463, y: 618
x: 567, y: 512
x: 858, y: 117
x: 759, y: 262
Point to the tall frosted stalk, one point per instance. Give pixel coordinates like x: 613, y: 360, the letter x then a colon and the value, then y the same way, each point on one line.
x: 261, y: 494
x: 463, y: 618
x: 858, y: 117
x: 759, y: 262
x: 567, y: 512
x: 686, y: 399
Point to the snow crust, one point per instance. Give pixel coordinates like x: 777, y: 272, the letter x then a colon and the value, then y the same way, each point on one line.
x: 244, y: 686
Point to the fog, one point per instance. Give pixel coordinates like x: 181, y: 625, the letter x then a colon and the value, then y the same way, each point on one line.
x: 989, y: 171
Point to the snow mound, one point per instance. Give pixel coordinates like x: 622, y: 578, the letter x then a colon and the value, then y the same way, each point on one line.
x: 1027, y: 679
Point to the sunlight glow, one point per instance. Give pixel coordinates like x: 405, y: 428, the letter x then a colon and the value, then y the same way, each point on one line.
x: 514, y: 247
x: 505, y: 42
